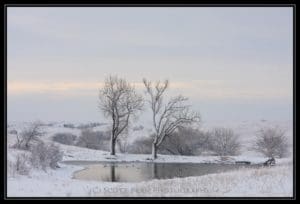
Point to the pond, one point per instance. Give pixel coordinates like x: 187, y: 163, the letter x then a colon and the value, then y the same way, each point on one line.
x: 143, y: 171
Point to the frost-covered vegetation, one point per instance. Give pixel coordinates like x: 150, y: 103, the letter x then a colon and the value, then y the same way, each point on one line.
x: 224, y: 142
x: 34, y: 152
x: 28, y: 136
x: 183, y: 141
x: 46, y: 155
x: 271, y: 142
x: 24, y: 168
x: 93, y: 139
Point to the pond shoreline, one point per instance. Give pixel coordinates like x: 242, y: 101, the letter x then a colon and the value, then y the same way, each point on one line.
x: 91, y: 162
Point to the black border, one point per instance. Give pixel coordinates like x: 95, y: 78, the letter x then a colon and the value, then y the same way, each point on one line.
x: 289, y: 3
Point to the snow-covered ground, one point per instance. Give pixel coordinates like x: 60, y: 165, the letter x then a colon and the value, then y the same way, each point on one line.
x: 271, y: 181
x: 73, y: 153
x: 274, y: 181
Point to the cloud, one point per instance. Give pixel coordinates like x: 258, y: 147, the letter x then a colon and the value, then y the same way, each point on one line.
x: 194, y: 89
x: 23, y: 87
x: 47, y: 87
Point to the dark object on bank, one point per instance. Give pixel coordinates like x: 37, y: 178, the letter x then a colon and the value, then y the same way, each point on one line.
x: 243, y: 162
x: 270, y: 162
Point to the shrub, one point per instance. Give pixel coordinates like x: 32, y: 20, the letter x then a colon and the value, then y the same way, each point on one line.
x: 64, y: 138
x: 45, y: 155
x: 54, y: 155
x: 224, y: 142
x: 271, y: 142
x: 185, y: 141
x: 141, y: 146
x: 94, y: 139
x: 20, y: 166
x: 28, y: 136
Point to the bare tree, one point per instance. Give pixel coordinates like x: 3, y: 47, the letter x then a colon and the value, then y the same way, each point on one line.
x: 29, y: 135
x: 119, y: 101
x: 271, y: 142
x: 224, y: 142
x: 167, y: 117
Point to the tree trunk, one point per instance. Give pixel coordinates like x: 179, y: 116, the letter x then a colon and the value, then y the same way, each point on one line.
x: 112, y: 146
x: 154, y: 151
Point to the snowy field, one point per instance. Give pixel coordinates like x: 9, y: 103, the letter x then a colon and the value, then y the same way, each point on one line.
x: 272, y: 181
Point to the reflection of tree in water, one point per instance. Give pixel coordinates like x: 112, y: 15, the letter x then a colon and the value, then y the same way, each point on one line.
x: 179, y: 172
x: 160, y: 171
x: 166, y: 171
x: 112, y: 177
x: 154, y: 171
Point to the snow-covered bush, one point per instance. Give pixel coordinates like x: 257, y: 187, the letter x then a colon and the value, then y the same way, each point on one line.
x: 224, y: 142
x: 64, y: 138
x: 55, y: 155
x: 20, y: 166
x: 185, y: 141
x: 271, y: 142
x: 141, y: 146
x: 94, y: 139
x: 29, y: 136
x: 45, y: 155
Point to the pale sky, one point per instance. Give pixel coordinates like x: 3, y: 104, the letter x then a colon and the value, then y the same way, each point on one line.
x: 232, y: 63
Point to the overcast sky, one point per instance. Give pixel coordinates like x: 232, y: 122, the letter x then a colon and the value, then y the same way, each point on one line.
x: 232, y: 63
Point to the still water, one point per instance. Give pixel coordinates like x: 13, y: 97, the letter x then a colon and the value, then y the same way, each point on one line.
x: 139, y: 171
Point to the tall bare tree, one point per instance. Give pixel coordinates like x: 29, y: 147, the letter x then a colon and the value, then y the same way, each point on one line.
x: 169, y: 116
x: 119, y: 101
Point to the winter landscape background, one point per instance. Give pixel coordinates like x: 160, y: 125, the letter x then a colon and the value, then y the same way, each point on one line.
x: 235, y: 65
